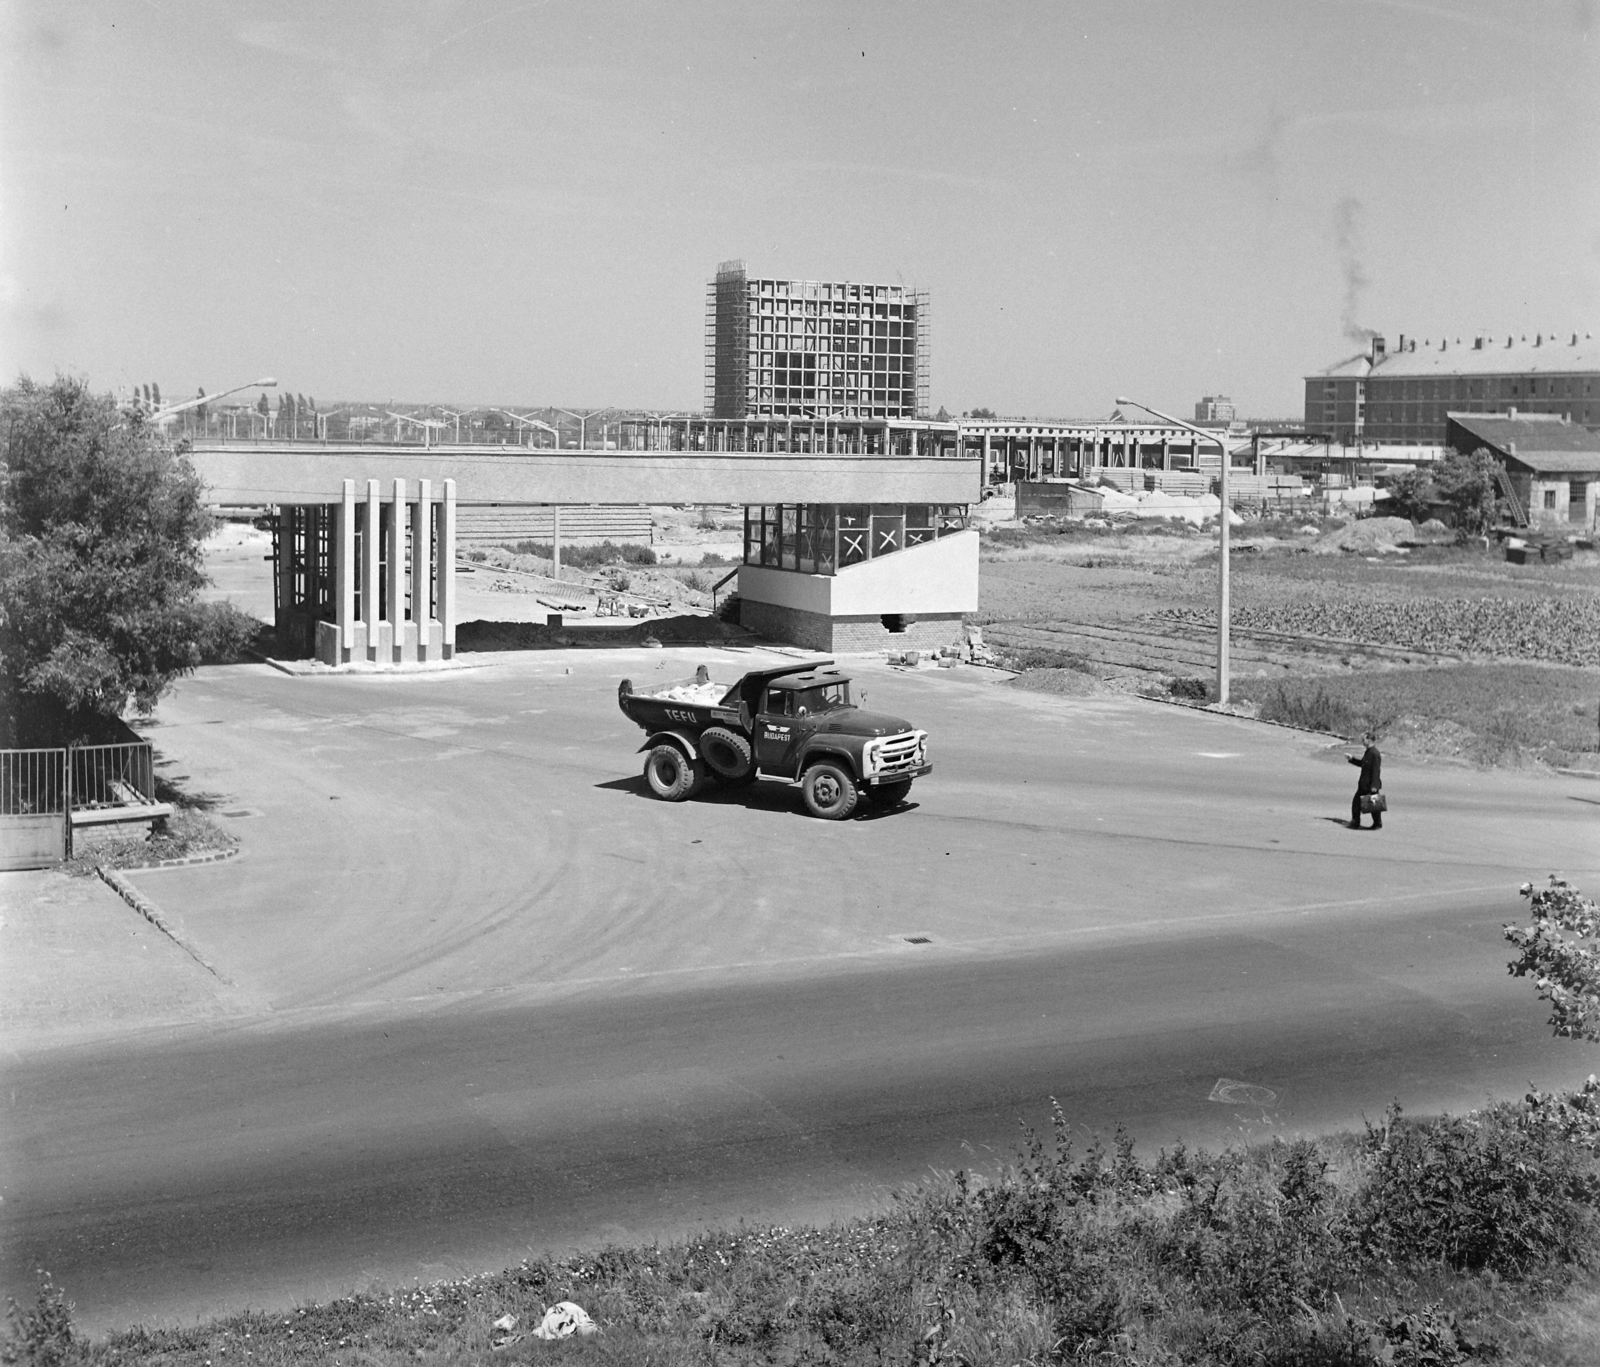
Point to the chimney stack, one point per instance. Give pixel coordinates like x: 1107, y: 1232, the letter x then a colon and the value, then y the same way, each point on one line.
x: 1379, y: 347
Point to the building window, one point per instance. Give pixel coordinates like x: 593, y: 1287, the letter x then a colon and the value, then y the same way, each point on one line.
x: 1549, y: 498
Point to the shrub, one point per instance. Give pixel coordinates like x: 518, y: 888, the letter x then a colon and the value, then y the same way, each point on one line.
x: 1023, y: 658
x: 1190, y: 690
x: 699, y: 583
x: 1482, y: 1192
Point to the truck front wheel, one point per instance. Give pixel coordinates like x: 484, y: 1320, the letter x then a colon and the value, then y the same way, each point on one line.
x: 671, y: 774
x: 829, y: 791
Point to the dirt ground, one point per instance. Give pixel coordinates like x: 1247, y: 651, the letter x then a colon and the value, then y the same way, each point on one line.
x: 1452, y: 652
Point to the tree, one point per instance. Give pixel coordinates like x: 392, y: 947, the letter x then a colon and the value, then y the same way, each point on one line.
x: 101, y: 525
x: 1560, y: 951
x: 982, y: 413
x: 1469, y: 485
x: 1411, y: 496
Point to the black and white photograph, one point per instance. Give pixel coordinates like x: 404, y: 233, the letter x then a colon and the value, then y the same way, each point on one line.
x: 886, y: 684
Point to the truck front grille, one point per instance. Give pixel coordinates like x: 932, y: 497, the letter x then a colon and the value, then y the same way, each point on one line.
x: 899, y: 754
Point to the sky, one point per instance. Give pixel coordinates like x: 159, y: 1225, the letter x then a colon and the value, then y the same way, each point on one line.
x: 521, y: 203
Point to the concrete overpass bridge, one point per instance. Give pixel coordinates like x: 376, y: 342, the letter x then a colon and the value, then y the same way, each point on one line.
x: 365, y: 539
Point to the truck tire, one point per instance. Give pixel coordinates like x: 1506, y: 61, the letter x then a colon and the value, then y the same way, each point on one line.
x: 888, y: 794
x: 671, y: 774
x: 727, y: 753
x: 829, y: 791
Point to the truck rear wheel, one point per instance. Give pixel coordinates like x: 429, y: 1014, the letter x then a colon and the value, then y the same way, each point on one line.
x: 727, y: 753
x: 671, y: 774
x: 829, y: 791
x: 889, y: 794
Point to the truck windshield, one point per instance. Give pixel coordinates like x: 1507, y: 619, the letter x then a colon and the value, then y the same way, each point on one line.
x: 823, y: 698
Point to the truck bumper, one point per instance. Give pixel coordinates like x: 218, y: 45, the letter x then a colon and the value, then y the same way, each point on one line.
x: 900, y: 776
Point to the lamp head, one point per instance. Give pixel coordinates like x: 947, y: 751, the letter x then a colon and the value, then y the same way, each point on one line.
x: 267, y: 382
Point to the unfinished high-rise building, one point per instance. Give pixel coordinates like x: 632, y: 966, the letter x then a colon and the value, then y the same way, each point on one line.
x: 814, y: 348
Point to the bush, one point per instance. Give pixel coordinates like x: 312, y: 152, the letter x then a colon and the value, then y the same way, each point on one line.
x: 1189, y: 690
x: 1483, y: 1192
x: 1023, y: 658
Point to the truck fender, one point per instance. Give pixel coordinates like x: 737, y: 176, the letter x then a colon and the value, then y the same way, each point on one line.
x: 812, y: 754
x: 678, y: 738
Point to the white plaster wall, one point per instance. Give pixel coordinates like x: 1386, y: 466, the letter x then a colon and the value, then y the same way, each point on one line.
x: 940, y: 576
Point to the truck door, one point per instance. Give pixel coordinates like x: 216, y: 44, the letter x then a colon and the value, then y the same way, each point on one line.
x: 775, y: 731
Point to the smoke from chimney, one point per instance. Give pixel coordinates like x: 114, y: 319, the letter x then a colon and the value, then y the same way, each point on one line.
x: 1347, y: 232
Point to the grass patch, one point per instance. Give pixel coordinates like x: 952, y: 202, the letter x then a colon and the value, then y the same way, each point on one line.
x: 1466, y: 1237
x: 1487, y: 714
x: 1025, y: 658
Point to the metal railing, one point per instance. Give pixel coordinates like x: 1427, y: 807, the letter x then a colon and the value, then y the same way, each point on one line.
x: 33, y: 782
x: 112, y: 775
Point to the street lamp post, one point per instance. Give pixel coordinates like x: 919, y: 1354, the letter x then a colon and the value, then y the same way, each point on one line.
x: 1222, y: 538
x: 166, y: 414
x: 583, y: 424
x: 532, y: 422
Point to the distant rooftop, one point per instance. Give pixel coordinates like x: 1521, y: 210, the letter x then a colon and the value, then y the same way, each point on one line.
x: 1544, y: 355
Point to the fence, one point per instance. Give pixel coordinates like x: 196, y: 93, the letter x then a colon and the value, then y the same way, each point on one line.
x: 34, y: 827
x: 112, y: 776
x: 45, y: 793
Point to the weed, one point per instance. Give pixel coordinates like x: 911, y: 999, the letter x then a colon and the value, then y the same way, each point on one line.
x: 1189, y: 690
x: 1313, y: 710
x: 1022, y: 658
x: 711, y: 558
x: 42, y: 1336
x: 1481, y: 1192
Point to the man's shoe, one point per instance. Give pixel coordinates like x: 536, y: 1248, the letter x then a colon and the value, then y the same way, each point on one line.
x: 1377, y: 825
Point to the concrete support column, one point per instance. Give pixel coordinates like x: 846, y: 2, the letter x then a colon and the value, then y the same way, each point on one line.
x: 395, y: 587
x: 445, y: 584
x: 988, y: 469
x: 344, y: 568
x: 422, y: 568
x: 371, y: 548
x: 555, y: 541
x: 285, y: 567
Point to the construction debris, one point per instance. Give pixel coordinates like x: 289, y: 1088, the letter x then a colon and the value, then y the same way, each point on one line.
x: 564, y: 1320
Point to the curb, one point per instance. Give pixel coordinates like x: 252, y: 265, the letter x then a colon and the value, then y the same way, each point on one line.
x: 1580, y: 773
x: 152, y: 913
x: 1212, y: 711
x: 183, y: 862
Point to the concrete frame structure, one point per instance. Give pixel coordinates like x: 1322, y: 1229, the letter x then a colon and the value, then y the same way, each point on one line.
x: 1406, y: 395
x: 811, y: 348
x: 369, y: 580
x: 1013, y: 450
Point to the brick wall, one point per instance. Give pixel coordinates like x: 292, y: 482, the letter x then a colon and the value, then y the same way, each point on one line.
x: 814, y: 631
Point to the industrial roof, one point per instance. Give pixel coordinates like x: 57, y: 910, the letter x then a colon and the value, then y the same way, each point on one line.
x: 1540, y: 441
x: 1542, y: 356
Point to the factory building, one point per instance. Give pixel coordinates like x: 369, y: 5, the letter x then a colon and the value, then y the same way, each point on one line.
x: 1404, y: 396
x: 814, y: 348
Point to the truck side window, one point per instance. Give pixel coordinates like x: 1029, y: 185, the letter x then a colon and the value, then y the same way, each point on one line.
x: 777, y: 702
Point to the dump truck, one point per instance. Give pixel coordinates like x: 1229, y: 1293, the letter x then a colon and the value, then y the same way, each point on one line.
x: 795, y: 722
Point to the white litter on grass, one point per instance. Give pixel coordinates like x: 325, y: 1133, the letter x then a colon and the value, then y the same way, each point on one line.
x: 1232, y: 1092
x: 564, y: 1320
x: 708, y: 693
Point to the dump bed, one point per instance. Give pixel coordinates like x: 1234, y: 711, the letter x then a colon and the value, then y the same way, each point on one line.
x: 689, y: 703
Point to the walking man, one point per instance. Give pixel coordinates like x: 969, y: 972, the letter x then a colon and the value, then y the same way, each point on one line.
x: 1370, y: 782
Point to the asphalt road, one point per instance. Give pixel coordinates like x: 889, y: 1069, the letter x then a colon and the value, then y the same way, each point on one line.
x: 489, y: 997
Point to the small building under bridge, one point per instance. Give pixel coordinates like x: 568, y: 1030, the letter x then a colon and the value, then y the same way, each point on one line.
x: 365, y: 533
